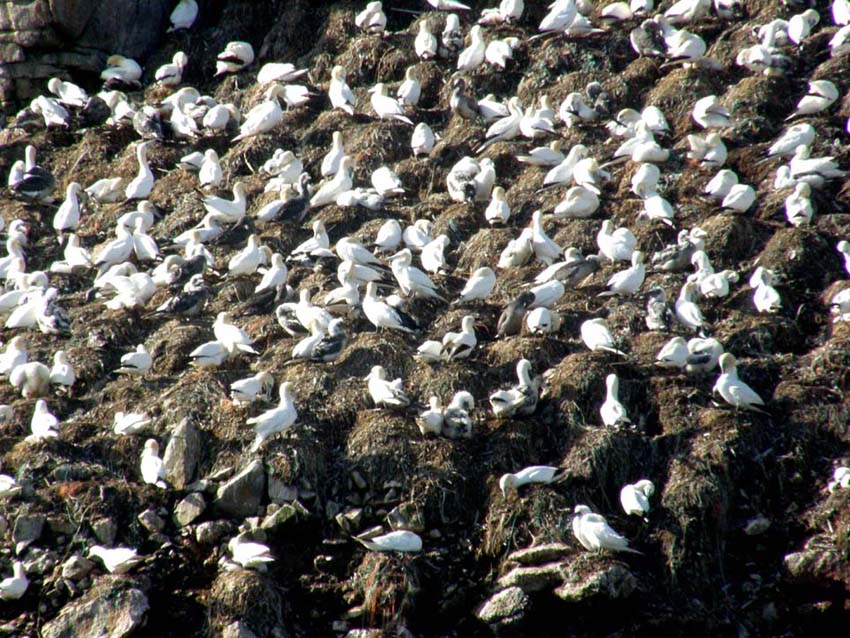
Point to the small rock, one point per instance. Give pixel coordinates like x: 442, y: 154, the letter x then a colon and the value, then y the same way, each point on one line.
x: 280, y: 492
x: 211, y: 532
x: 182, y: 454
x: 537, y: 578
x: 61, y: 525
x: 757, y: 525
x: 350, y: 520
x: 28, y: 528
x: 540, y: 554
x: 189, y: 509
x: 104, y: 612
x: 285, y: 515
x: 105, y: 529
x: 240, y: 496
x: 359, y: 481
x: 237, y: 629
x: 612, y: 581
x: 407, y: 516
x: 504, y: 609
x: 76, y: 567
x: 151, y: 521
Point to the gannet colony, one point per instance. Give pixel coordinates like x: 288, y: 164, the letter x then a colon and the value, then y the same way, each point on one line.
x: 476, y: 320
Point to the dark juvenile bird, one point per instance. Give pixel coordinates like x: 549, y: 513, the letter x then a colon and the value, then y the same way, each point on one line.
x: 647, y: 40
x: 332, y: 345
x: 510, y: 321
x: 190, y: 301
x: 659, y: 316
x: 461, y: 103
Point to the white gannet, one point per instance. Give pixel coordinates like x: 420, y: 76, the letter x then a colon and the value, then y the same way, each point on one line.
x: 372, y: 19
x: 478, y: 287
x: 250, y: 389
x: 386, y: 107
x: 734, y: 391
x: 616, y: 245
x: 412, y: 281
x: 62, y: 373
x: 718, y: 187
x: 578, y: 203
x: 613, y: 412
x: 121, y: 70
x: 634, y: 497
x: 594, y: 533
x: 151, y: 466
x: 31, y: 378
x: 278, y: 419
x: 385, y: 393
x: 68, y: 93
x: 232, y: 337
x: 339, y: 183
x: 472, y: 56
x: 339, y: 93
x: 128, y: 423
x: 709, y: 113
x: 425, y: 43
x: 410, y: 89
x: 794, y: 136
x: 544, y: 474
x: 230, y: 211
x: 386, y: 182
x: 264, y: 116
x: 430, y: 421
x: 183, y: 15
x: 561, y: 15
x: 798, y: 205
x: 67, y: 217
x: 628, y: 281
x: 498, y: 211
x: 521, y: 398
x: 765, y: 297
x: 15, y: 586
x: 248, y: 553
x: 546, y: 250
x: 703, y: 355
x: 739, y: 198
x: 550, y: 155
x: 210, y: 173
x: 596, y: 336
x: 687, y: 312
x: 279, y: 72
x: 423, y: 139
x: 235, y: 57
x: 209, y: 355
x: 117, y: 560
x: 171, y: 74
x: 43, y: 425
x: 840, y: 479
x: 673, y: 354
x: 382, y: 315
x: 400, y: 540
x: 138, y: 362
x: 140, y: 186
x: 821, y: 94
x: 14, y: 355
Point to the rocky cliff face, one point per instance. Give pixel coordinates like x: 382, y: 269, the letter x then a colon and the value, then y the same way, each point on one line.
x: 743, y: 540
x: 43, y: 38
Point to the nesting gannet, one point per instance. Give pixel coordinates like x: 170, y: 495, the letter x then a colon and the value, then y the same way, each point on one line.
x: 628, y: 281
x: 708, y: 151
x: 613, y: 412
x: 634, y: 497
x: 794, y: 136
x: 765, y: 297
x: 709, y: 113
x: 821, y: 94
x: 430, y: 421
x: 128, y: 423
x: 232, y: 337
x: 687, y: 312
x: 331, y: 345
x: 457, y: 421
x: 703, y: 355
x: 43, y: 424
x: 330, y: 189
x: 615, y: 245
x: 210, y: 173
x: 117, y: 560
x: 171, y: 74
x: 463, y: 104
x: 385, y: 393
x: 209, y: 355
x: 62, y: 373
x: 594, y: 533
x: 425, y: 43
x: 372, y: 19
x: 409, y: 90
x: 734, y: 391
x: 521, y: 398
x: 533, y: 474
x: 478, y: 287
x: 339, y: 93
x: 561, y: 15
x: 15, y: 586
x: 37, y: 182
x: 31, y: 378
x: 230, y: 211
x: 505, y: 128
x: 249, y: 554
x: 250, y: 389
x: 386, y: 107
x: 235, y: 57
x: 183, y: 15
x: 279, y: 72
x: 472, y: 56
x: 423, y: 139
x: 718, y: 187
x: 386, y: 182
x: 814, y: 170
x: 264, y: 116
x: 140, y: 187
x: 596, y: 336
x: 121, y: 71
x: 498, y: 52
x: 278, y: 419
x: 398, y: 541
x: 840, y: 479
x: 67, y: 217
x: 542, y: 321
x: 382, y: 315
x: 68, y: 93
x: 14, y: 355
x: 412, y: 281
x: 673, y: 354
x: 152, y: 467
